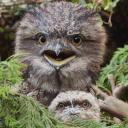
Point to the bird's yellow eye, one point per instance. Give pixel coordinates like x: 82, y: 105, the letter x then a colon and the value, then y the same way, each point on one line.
x: 76, y: 40
x: 41, y: 38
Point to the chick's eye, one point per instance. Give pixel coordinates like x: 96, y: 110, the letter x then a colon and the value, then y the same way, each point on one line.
x: 61, y: 105
x: 86, y: 104
x: 77, y: 40
x: 41, y: 38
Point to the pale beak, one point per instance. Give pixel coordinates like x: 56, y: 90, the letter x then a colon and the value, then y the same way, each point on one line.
x: 59, y: 59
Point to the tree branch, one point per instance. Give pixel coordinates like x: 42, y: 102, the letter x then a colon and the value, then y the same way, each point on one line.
x: 112, y: 105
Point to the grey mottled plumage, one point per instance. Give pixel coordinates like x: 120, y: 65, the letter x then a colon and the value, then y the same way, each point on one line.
x: 66, y: 45
x: 71, y: 105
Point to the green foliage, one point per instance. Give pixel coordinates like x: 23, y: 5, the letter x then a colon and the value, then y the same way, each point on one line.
x: 88, y: 124
x: 118, y: 67
x: 20, y: 111
x: 108, y: 5
x: 10, y: 74
x: 24, y: 112
x: 1, y: 30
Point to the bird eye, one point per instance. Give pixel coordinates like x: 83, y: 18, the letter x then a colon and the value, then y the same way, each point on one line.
x: 61, y: 105
x: 77, y: 40
x: 86, y: 104
x: 41, y: 38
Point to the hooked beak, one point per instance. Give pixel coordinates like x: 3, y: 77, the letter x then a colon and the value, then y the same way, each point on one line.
x: 59, y: 58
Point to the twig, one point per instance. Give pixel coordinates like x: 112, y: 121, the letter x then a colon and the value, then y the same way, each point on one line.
x: 112, y: 82
x: 115, y: 107
x: 111, y: 104
x: 99, y: 92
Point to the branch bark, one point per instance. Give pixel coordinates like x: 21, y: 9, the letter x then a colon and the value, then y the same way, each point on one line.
x: 115, y: 107
x: 112, y: 105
